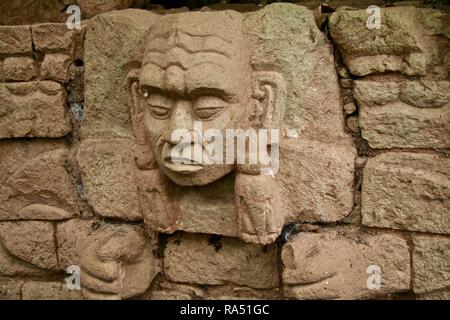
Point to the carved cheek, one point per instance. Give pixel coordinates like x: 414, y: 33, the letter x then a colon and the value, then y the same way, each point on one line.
x: 238, y: 115
x: 154, y: 129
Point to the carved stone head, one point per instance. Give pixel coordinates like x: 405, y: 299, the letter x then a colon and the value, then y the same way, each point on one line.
x: 196, y: 68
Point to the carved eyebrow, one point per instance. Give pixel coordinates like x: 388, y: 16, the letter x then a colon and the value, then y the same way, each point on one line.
x: 152, y: 88
x: 218, y: 92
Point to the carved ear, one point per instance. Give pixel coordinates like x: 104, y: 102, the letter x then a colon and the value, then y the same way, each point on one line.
x: 269, y: 90
x: 143, y: 153
x: 133, y: 86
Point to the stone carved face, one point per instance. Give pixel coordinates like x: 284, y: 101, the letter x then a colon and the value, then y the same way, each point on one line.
x: 195, y: 68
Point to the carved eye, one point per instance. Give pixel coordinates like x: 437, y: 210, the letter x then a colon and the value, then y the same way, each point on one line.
x: 160, y: 105
x: 207, y: 107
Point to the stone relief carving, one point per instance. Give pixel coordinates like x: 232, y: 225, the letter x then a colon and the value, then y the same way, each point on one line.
x: 191, y: 73
x: 101, y: 194
x: 217, y: 69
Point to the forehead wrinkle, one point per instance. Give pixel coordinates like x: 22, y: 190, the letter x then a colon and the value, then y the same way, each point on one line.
x: 192, y: 45
x: 183, y: 59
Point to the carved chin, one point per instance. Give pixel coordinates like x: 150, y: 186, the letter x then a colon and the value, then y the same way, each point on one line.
x: 195, y: 175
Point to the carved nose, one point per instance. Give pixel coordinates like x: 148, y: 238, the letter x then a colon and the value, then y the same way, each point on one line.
x: 182, y: 117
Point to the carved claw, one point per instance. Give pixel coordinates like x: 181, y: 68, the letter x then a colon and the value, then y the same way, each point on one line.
x: 158, y: 209
x: 258, y: 208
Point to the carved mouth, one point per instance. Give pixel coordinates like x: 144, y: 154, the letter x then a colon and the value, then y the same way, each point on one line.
x: 183, y: 168
x: 182, y: 165
x: 185, y: 161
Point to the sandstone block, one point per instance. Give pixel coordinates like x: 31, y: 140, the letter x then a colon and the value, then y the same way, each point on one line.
x: 19, y: 68
x: 71, y: 236
x: 431, y: 263
x: 10, y: 289
x: 112, y: 45
x: 408, y: 191
x: 33, y: 109
x: 198, y: 259
x: 435, y: 295
x: 406, y: 114
x: 166, y: 290
x: 207, y: 209
x: 13, y: 266
x: 404, y: 42
x: 31, y: 241
x: 316, y: 179
x: 38, y: 290
x: 285, y: 37
x: 92, y: 8
x: 232, y: 292
x: 56, y: 67
x: 35, y: 184
x: 15, y: 39
x: 336, y: 264
x: 107, y: 169
x: 52, y: 36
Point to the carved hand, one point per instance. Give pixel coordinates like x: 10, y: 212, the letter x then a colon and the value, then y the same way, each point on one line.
x: 116, y: 264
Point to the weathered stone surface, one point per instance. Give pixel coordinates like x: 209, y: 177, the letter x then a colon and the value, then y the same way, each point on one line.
x: 10, y: 289
x: 407, y: 114
x: 31, y: 241
x: 316, y: 180
x: 199, y: 259
x: 16, y: 12
x: 13, y: 266
x: 112, y: 49
x: 107, y: 169
x: 49, y: 37
x: 91, y: 8
x: 207, y: 209
x: 435, y: 295
x: 117, y: 263
x: 34, y: 182
x: 19, y: 68
x: 167, y: 290
x: 333, y: 264
x: 403, y: 42
x: 284, y: 37
x: 38, y: 290
x: 15, y: 39
x: 231, y: 292
x: 33, y: 109
x: 350, y: 107
x: 431, y: 263
x: 71, y: 236
x: 56, y: 67
x: 408, y: 191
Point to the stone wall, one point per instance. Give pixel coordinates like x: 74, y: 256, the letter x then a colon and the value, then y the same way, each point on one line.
x: 364, y: 166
